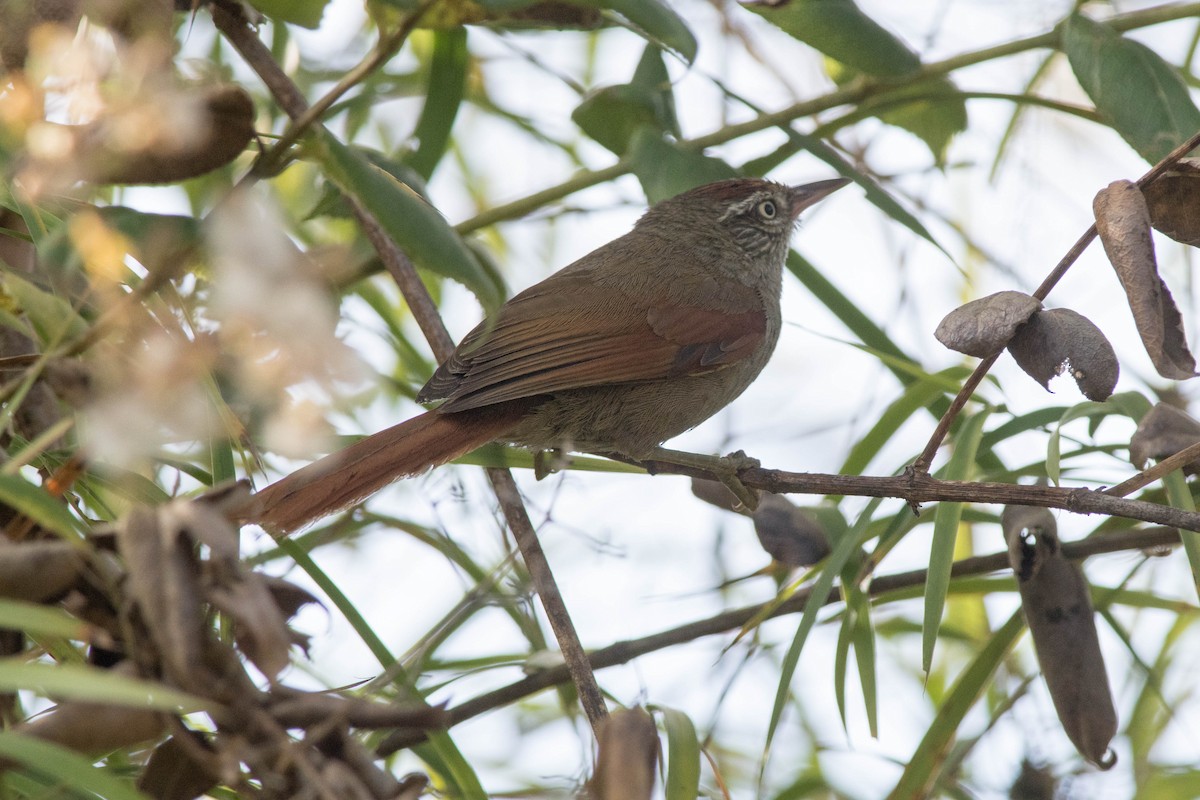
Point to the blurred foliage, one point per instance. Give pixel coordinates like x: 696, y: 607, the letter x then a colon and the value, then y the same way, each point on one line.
x: 162, y: 342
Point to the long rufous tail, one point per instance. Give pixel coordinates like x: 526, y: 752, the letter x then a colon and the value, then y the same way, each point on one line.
x: 353, y: 473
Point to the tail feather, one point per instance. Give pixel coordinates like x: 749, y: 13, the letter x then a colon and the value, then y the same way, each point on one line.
x: 402, y: 451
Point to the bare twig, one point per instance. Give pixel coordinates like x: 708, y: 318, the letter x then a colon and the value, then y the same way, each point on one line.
x: 923, y: 462
x: 425, y: 311
x: 734, y: 619
x: 1148, y: 476
x: 854, y: 92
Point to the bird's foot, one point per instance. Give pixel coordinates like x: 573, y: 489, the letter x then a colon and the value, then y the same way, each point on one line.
x: 723, y: 468
x: 548, y: 462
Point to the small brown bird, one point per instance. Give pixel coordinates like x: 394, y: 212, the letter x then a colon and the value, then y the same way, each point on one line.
x: 636, y: 342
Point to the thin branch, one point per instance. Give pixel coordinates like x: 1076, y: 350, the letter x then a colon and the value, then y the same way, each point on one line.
x: 917, y: 489
x: 923, y: 462
x: 1148, y: 476
x: 424, y: 310
x: 735, y: 619
x: 855, y: 92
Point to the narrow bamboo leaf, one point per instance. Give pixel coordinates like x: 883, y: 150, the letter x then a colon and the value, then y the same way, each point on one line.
x: 443, y: 96
x: 39, y: 505
x: 1087, y: 409
x: 1141, y: 95
x: 918, y: 776
x: 39, y: 620
x: 840, y: 30
x: 945, y: 530
x: 414, y: 224
x: 847, y: 312
x: 864, y: 655
x: 93, y: 685
x: 1179, y: 494
x: 305, y: 13
x: 439, y: 751
x: 841, y: 658
x: 69, y: 770
x: 846, y: 545
x: 683, y: 755
x: 916, y: 396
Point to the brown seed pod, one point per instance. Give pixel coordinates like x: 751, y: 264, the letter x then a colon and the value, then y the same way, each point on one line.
x: 1057, y: 338
x: 628, y: 754
x: 983, y: 327
x: 1058, y: 609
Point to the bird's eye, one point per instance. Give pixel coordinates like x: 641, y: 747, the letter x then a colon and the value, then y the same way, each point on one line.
x: 767, y: 209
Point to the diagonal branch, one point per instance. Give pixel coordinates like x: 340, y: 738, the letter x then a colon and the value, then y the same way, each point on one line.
x: 737, y: 618
x: 235, y: 28
x: 923, y: 462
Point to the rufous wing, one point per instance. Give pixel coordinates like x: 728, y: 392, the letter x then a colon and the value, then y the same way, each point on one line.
x: 569, y: 333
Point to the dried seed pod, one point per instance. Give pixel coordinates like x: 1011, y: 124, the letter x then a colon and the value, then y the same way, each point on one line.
x: 983, y: 327
x: 1123, y: 221
x: 787, y: 532
x: 1174, y: 202
x: 1058, y: 609
x: 1057, y: 338
x: 1163, y: 432
x: 628, y: 754
x: 94, y: 728
x: 38, y: 571
x: 175, y: 772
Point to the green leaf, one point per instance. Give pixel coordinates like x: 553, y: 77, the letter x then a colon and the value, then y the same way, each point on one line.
x: 443, y: 96
x: 40, y: 620
x: 93, y: 685
x: 414, y: 224
x: 53, y: 319
x: 970, y: 685
x: 1180, y: 496
x: 612, y: 115
x: 933, y: 119
x: 848, y: 313
x: 39, y: 505
x: 1143, y: 97
x: 69, y: 770
x: 305, y: 13
x: 917, y: 396
x: 846, y: 545
x: 945, y: 532
x: 665, y: 170
x: 654, y: 20
x: 683, y: 755
x: 840, y: 30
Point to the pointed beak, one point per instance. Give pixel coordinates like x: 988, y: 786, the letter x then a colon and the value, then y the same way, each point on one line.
x: 804, y: 196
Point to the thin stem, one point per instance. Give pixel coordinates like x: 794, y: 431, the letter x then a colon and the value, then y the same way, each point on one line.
x: 923, y: 462
x: 425, y: 311
x: 384, y: 49
x: 854, y: 92
x: 1148, y: 476
x: 735, y: 619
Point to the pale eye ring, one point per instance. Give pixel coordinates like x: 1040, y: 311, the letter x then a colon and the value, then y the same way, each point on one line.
x: 767, y: 209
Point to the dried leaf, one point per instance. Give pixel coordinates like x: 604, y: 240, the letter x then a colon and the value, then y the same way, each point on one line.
x: 162, y: 578
x: 1123, y: 221
x: 983, y: 327
x: 1174, y: 202
x: 1058, y: 337
x: 1163, y: 432
x: 95, y: 728
x: 38, y: 571
x: 260, y: 629
x: 627, y: 757
x: 1058, y: 608
x: 788, y: 533
x: 227, y: 126
x: 173, y: 773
